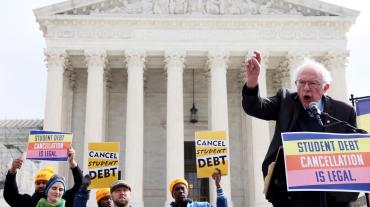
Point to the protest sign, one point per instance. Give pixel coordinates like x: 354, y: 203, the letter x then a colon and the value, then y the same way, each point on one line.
x: 212, y: 153
x: 103, y: 163
x: 48, y: 145
x: 327, y: 161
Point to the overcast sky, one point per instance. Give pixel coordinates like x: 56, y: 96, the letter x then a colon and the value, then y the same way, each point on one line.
x: 23, y: 71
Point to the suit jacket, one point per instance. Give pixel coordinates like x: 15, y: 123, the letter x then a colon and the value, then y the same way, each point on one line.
x: 284, y: 108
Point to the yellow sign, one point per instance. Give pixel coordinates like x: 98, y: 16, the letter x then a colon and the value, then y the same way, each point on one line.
x: 103, y: 163
x: 212, y: 153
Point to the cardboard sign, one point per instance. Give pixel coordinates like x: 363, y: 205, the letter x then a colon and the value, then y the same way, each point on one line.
x: 327, y: 161
x: 103, y: 163
x: 48, y: 145
x: 211, y: 151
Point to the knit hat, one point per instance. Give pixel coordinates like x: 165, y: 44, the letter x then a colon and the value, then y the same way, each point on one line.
x: 45, y: 173
x: 101, y: 193
x: 177, y: 181
x: 52, y: 181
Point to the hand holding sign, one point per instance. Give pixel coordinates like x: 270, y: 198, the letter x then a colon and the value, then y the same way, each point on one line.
x: 71, y: 157
x: 16, y: 164
x: 217, y: 177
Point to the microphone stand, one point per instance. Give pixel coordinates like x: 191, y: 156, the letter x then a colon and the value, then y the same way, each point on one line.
x: 344, y: 123
x: 355, y: 130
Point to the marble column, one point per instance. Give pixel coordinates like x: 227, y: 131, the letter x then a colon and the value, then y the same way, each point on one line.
x: 336, y: 62
x: 295, y: 58
x: 56, y: 63
x: 95, y: 107
x: 135, y: 125
x: 258, y: 137
x: 56, y: 60
x: 174, y: 65
x: 218, y: 111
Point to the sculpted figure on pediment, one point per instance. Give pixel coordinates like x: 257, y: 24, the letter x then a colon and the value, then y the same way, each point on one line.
x: 196, y: 7
x: 131, y: 7
x: 249, y: 7
x: 233, y: 7
x: 178, y: 6
x: 147, y: 6
x: 215, y: 7
x: 267, y: 9
x: 161, y: 7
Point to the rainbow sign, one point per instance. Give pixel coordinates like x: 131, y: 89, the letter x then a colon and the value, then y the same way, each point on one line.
x: 47, y: 145
x: 363, y: 114
x: 327, y: 161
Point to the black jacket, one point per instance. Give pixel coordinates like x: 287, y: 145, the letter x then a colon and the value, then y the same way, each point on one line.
x: 285, y: 108
x: 14, y: 199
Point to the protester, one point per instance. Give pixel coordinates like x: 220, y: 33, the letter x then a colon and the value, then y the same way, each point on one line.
x: 120, y: 193
x: 103, y: 197
x: 14, y: 199
x: 179, y: 189
x: 54, y: 191
x: 83, y: 194
x: 291, y: 112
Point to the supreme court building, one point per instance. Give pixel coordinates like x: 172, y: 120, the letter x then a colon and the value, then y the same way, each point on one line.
x: 130, y: 71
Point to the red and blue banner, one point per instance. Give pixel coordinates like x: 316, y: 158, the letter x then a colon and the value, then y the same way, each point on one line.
x: 327, y: 161
x: 363, y: 114
x: 47, y: 145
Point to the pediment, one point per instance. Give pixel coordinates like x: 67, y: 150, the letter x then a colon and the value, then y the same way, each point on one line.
x: 194, y: 8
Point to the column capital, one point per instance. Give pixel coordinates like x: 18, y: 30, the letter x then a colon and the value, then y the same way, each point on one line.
x: 281, y: 75
x: 334, y: 60
x: 218, y: 58
x: 174, y: 59
x: 296, y: 57
x: 108, y: 77
x: 70, y: 74
x: 135, y: 59
x: 96, y: 58
x: 55, y: 58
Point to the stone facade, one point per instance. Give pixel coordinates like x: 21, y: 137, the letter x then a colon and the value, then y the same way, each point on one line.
x: 121, y: 70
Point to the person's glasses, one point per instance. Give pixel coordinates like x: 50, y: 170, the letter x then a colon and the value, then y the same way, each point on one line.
x: 302, y: 83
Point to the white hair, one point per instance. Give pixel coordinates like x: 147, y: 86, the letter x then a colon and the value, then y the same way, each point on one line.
x: 313, y: 64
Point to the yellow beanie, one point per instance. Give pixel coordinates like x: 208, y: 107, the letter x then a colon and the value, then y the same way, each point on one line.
x: 101, y: 193
x: 177, y: 181
x: 45, y: 173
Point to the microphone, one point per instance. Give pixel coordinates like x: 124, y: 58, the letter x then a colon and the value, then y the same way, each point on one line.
x: 316, y: 112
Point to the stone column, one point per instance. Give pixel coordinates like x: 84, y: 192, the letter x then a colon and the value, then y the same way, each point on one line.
x: 258, y: 136
x: 95, y: 107
x: 295, y: 58
x: 336, y: 62
x: 56, y: 62
x: 135, y: 125
x: 218, y: 112
x: 175, y: 117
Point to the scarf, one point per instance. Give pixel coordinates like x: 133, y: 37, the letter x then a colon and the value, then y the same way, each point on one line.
x: 44, y: 203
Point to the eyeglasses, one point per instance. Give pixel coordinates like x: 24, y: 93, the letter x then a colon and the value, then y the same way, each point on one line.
x: 302, y: 83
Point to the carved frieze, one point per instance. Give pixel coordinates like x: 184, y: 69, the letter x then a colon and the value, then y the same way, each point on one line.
x: 247, y: 29
x: 196, y: 7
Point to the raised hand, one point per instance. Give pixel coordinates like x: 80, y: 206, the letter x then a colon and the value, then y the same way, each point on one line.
x: 253, y: 67
x: 16, y: 164
x: 217, y: 178
x: 71, y: 157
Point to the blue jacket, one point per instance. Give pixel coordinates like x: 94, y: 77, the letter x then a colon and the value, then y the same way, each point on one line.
x: 221, y: 201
